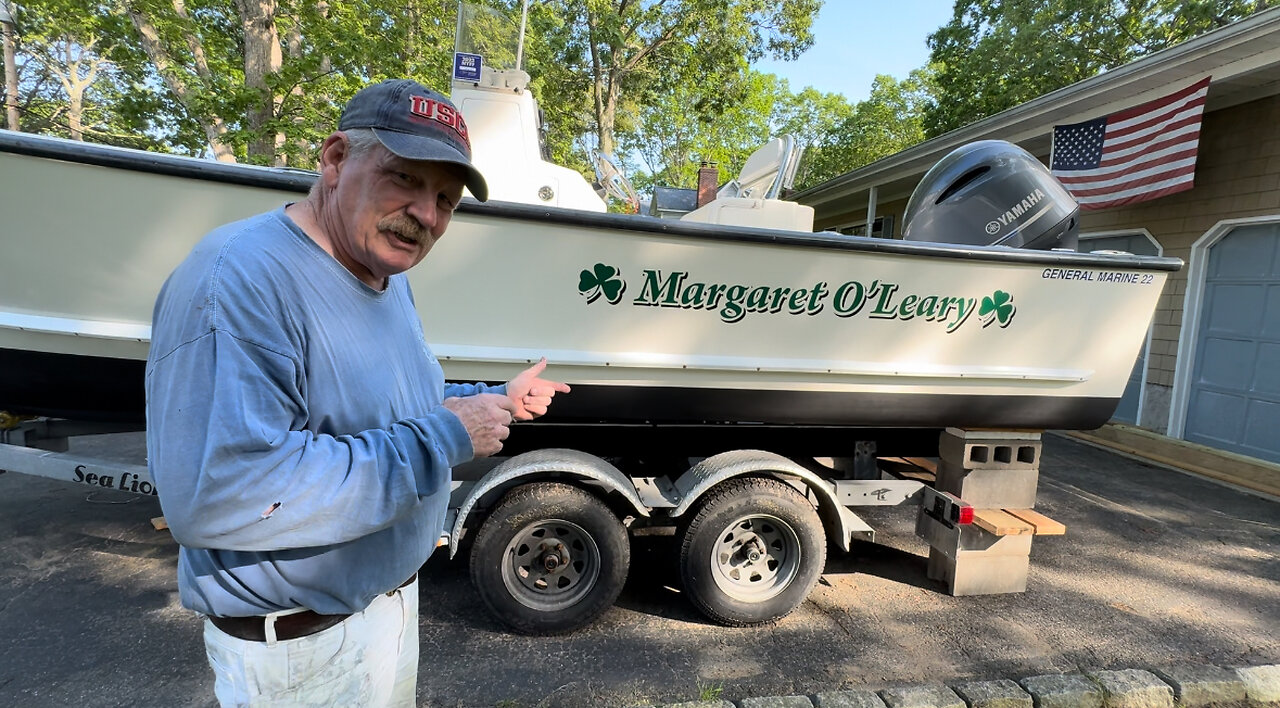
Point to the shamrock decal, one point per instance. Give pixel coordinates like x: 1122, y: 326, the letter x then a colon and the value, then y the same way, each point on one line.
x: 997, y: 307
x: 602, y: 279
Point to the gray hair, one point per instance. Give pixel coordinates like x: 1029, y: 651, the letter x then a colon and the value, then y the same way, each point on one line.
x: 360, y: 141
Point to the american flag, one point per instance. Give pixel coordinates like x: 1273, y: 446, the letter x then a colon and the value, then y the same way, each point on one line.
x: 1144, y: 152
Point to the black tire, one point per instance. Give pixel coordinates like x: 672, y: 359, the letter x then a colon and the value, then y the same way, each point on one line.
x: 724, y: 579
x: 582, y: 556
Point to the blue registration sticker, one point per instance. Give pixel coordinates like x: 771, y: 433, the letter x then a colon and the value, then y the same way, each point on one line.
x: 466, y: 67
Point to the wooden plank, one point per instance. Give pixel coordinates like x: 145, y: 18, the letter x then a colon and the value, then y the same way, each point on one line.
x: 923, y: 463
x: 1044, y: 525
x: 909, y: 468
x: 1247, y: 472
x: 997, y: 522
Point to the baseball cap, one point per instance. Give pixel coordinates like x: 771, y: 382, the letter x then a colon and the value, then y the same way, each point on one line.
x: 415, y: 123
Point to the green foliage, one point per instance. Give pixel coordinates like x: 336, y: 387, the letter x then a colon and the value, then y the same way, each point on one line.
x: 665, y: 83
x: 65, y: 51
x: 677, y: 136
x: 173, y: 73
x: 669, y: 77
x: 888, y: 121
x: 631, y: 52
x: 710, y: 691
x: 996, y: 54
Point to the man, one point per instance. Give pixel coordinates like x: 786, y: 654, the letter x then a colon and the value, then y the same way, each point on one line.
x: 299, y: 425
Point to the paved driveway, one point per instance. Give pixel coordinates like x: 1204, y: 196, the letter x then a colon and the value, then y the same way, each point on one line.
x: 1157, y: 568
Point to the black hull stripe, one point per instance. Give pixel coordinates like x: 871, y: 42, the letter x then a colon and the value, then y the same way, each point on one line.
x: 105, y: 389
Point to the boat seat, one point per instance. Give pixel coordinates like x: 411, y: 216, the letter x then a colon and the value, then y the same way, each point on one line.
x: 759, y: 213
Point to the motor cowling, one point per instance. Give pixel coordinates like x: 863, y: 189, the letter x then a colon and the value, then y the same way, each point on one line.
x: 992, y: 193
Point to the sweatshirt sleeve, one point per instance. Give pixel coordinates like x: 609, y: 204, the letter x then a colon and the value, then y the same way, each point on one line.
x: 233, y: 473
x: 458, y: 390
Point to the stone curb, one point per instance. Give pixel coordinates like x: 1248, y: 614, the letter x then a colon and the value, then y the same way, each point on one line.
x: 1063, y: 691
x: 927, y: 696
x: 1132, y: 688
x: 994, y: 694
x: 1196, y: 686
x: 1183, y: 686
x: 1262, y: 684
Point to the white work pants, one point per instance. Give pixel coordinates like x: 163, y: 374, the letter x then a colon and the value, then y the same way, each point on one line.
x: 369, y: 659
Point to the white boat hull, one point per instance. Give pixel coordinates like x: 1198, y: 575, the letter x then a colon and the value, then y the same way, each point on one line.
x: 653, y: 322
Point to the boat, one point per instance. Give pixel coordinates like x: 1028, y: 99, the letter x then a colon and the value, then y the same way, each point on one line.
x: 734, y: 324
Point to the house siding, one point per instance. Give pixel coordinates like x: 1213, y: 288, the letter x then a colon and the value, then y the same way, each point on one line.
x: 1237, y: 176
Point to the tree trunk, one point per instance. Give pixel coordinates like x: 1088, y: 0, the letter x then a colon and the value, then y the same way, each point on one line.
x: 76, y: 84
x: 623, y: 59
x: 10, y: 78
x: 607, y: 113
x: 262, y: 59
x: 75, y: 115
x: 601, y: 90
x: 303, y: 153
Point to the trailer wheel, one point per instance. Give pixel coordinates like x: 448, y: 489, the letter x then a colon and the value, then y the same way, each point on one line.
x: 752, y: 552
x: 550, y: 558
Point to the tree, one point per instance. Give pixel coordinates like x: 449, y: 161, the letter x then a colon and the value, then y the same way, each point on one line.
x: 673, y: 137
x: 996, y: 54
x: 10, y: 67
x: 240, y: 80
x: 890, y: 120
x: 628, y: 50
x: 68, y: 83
x: 677, y: 131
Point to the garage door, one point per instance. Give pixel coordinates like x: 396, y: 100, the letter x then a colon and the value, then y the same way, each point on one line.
x: 1234, y: 399
x: 1137, y: 244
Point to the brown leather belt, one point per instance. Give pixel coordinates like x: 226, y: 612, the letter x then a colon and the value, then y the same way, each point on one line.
x: 298, y: 624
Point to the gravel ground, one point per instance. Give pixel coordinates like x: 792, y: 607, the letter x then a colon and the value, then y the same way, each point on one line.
x: 1157, y: 569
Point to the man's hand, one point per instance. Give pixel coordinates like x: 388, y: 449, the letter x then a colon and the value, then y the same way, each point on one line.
x: 531, y: 394
x: 487, y: 417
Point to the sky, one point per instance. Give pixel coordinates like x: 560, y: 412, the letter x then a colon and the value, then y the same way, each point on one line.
x: 856, y: 39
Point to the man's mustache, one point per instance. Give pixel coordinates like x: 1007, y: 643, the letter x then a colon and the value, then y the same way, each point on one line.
x: 405, y: 226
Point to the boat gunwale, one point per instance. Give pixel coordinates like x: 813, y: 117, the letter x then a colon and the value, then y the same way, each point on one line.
x: 287, y: 179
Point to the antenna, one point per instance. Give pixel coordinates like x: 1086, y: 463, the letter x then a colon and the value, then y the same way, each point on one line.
x: 524, y: 16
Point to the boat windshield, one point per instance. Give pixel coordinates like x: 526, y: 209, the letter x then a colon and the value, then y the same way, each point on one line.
x: 488, y: 34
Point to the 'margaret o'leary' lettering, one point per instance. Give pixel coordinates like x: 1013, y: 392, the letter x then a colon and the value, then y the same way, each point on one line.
x: 853, y: 295
x: 734, y: 301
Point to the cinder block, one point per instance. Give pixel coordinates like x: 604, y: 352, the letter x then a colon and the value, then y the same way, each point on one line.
x: 776, y: 702
x: 857, y: 698
x: 990, y: 450
x: 927, y: 696
x: 1133, y: 688
x: 990, y: 488
x: 999, y: 568
x: 1063, y: 691
x: 1261, y: 684
x: 994, y: 694
x: 1196, y: 686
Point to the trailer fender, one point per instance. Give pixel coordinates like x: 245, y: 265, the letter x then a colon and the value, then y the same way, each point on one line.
x: 712, y: 471
x: 539, y: 463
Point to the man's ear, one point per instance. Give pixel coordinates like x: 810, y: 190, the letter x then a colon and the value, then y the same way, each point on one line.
x: 333, y: 156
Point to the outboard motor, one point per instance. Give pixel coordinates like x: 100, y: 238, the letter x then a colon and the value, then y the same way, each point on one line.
x: 992, y: 193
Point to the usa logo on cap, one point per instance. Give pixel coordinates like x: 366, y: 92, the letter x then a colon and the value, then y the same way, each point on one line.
x: 442, y: 113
